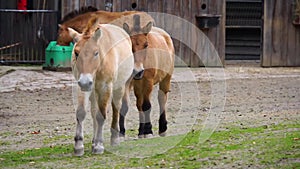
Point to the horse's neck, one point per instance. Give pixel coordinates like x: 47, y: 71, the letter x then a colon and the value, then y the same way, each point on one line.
x: 78, y: 22
x: 106, y: 42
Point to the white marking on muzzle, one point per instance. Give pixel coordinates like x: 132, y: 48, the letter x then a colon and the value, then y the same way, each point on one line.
x: 85, y: 82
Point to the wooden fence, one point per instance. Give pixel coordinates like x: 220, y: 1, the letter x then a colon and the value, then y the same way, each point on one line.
x: 25, y: 35
x: 281, y: 40
x: 186, y: 9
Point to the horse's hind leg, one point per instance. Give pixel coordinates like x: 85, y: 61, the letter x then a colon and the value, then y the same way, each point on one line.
x: 124, y: 109
x: 164, y: 88
x: 143, y: 92
x: 80, y: 115
x: 116, y: 106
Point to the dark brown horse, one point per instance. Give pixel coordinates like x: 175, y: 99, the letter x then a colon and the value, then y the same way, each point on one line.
x: 154, y: 56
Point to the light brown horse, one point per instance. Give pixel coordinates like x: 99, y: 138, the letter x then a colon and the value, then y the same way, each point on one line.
x: 79, y: 22
x: 154, y: 59
x: 102, y: 62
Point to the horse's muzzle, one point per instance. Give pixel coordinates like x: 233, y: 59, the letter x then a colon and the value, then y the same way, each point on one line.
x: 138, y: 75
x: 85, y: 82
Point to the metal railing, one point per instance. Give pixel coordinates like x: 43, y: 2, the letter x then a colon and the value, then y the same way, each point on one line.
x: 25, y: 34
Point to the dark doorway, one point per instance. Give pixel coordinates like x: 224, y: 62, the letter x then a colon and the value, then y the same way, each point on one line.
x: 244, y: 29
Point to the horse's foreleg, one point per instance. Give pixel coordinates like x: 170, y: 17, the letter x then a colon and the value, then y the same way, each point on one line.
x: 164, y: 87
x: 94, y: 110
x: 103, y: 98
x: 80, y: 116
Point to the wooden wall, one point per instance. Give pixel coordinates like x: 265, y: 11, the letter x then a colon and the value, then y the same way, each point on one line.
x: 281, y: 40
x: 186, y: 9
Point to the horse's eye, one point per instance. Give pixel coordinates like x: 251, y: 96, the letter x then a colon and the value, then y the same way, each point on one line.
x: 96, y: 54
x: 76, y: 55
x: 146, y: 45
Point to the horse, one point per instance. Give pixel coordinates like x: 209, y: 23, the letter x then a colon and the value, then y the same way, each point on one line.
x: 154, y: 62
x: 79, y: 20
x: 103, y: 69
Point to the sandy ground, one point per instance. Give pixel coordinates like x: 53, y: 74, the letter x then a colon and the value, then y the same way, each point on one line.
x: 37, y: 105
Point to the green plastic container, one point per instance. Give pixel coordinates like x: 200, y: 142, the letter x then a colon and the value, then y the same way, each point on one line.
x: 58, y: 56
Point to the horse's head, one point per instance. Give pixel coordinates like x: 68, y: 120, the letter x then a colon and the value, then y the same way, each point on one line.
x: 139, y: 39
x: 86, y: 57
x: 63, y: 37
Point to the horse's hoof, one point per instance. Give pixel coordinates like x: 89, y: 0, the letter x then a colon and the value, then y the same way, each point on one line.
x: 122, y: 138
x: 148, y: 135
x: 79, y: 152
x: 98, y: 149
x: 141, y: 136
x: 115, y: 142
x: 163, y: 134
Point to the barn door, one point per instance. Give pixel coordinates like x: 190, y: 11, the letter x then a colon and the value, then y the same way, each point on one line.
x: 243, y: 29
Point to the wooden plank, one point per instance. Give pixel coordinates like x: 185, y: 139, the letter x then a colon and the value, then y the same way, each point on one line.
x: 116, y: 6
x: 160, y: 8
x: 170, y: 25
x: 297, y: 49
x: 267, y: 36
x: 100, y: 5
x: 281, y: 38
x: 277, y: 35
x: 152, y: 5
x: 178, y: 30
x: 126, y: 5
x: 142, y: 5
x: 196, y: 60
x: 293, y: 40
x: 81, y: 3
x: 185, y: 50
x: 217, y: 34
x: 284, y: 33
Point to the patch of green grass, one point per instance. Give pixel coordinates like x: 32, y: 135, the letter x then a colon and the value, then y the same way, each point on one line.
x: 4, y: 143
x: 5, y: 134
x: 274, y: 146
x: 55, y: 139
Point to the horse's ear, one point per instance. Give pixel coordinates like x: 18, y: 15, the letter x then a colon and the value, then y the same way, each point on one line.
x: 97, y: 34
x: 74, y: 34
x: 126, y: 28
x: 147, y: 28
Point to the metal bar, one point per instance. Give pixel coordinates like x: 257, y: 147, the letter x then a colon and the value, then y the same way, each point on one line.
x: 28, y: 11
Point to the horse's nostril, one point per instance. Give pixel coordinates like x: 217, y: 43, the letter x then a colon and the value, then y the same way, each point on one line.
x: 84, y: 84
x: 79, y: 83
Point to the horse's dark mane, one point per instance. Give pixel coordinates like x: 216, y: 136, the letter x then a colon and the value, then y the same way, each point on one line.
x: 74, y: 13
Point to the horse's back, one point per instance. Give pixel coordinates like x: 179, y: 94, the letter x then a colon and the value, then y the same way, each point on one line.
x: 118, y: 39
x: 160, y: 53
x: 118, y: 53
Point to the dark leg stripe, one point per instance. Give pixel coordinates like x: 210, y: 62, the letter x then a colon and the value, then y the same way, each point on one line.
x: 162, y: 123
x: 146, y: 106
x: 78, y: 138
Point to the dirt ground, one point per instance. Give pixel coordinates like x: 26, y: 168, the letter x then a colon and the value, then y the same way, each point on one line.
x: 37, y: 107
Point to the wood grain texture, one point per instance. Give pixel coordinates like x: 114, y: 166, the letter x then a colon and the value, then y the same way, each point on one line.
x: 281, y: 44
x: 186, y: 9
